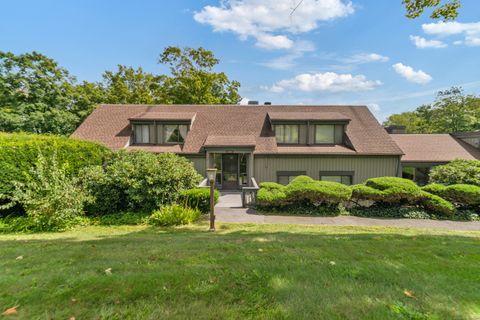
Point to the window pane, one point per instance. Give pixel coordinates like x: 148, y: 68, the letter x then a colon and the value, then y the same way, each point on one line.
x: 290, y: 178
x: 182, y: 129
x: 279, y: 133
x: 324, y: 133
x: 145, y: 133
x: 332, y: 178
x: 171, y: 133
x: 347, y: 180
x: 138, y: 133
x: 283, y: 180
x: 291, y: 133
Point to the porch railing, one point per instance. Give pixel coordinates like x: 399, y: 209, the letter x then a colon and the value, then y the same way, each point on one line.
x: 249, y: 194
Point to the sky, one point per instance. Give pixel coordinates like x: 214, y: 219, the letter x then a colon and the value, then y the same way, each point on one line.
x: 283, y: 51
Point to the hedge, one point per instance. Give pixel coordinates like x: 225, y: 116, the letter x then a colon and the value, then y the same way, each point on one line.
x: 463, y: 195
x: 304, y: 188
x: 271, y: 194
x: 19, y: 153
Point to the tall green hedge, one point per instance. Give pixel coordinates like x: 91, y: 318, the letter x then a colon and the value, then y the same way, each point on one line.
x: 19, y: 152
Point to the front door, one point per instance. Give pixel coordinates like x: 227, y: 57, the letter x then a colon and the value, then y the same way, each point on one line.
x: 230, y: 171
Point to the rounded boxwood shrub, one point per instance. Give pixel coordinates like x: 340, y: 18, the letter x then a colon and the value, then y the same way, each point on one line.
x: 457, y: 172
x: 198, y: 198
x: 395, y: 190
x: 173, y: 215
x: 138, y: 181
x: 464, y: 195
x: 305, y: 189
x: 435, y: 188
x: 271, y: 195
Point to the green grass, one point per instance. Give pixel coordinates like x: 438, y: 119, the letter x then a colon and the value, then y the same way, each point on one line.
x: 241, y: 272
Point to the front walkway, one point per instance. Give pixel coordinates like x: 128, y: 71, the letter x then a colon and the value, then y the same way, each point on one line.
x: 229, y: 209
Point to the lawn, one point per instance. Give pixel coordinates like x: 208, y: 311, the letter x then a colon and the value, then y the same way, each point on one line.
x: 240, y: 272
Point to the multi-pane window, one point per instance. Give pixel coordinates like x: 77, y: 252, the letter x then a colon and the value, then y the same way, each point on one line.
x: 142, y: 133
x: 324, y: 133
x: 287, y: 176
x: 340, y: 177
x: 286, y: 133
x: 175, y: 133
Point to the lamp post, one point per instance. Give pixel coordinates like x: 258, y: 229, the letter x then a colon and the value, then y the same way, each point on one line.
x: 211, y: 174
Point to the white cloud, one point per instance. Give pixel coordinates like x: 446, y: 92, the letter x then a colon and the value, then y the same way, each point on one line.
x: 470, y: 31
x: 290, y: 60
x: 244, y: 101
x: 267, y: 21
x: 328, y: 81
x: 365, y: 58
x: 423, y: 43
x: 412, y: 75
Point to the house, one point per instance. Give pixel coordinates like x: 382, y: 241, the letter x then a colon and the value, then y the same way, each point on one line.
x: 424, y: 151
x: 261, y: 142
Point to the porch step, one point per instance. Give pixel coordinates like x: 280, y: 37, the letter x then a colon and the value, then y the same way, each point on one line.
x: 230, y: 199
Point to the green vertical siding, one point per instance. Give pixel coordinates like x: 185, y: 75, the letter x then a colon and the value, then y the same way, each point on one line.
x: 199, y: 163
x: 365, y: 167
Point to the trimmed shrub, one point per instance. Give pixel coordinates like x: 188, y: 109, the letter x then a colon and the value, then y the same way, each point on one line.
x: 198, y: 198
x: 173, y: 215
x: 436, y: 204
x: 435, y: 188
x: 19, y: 153
x: 362, y: 192
x: 52, y: 200
x: 457, y: 172
x: 395, y: 190
x: 464, y: 195
x: 138, y: 181
x: 271, y: 197
x: 305, y: 189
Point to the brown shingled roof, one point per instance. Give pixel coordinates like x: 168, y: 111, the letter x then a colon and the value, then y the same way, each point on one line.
x: 307, y: 116
x: 231, y: 141
x: 434, y: 148
x: 184, y: 116
x: 109, y: 125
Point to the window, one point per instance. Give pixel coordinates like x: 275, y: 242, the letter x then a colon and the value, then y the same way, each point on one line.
x: 285, y: 177
x: 175, y: 133
x: 344, y: 177
x: 142, y: 133
x: 286, y: 133
x: 324, y: 133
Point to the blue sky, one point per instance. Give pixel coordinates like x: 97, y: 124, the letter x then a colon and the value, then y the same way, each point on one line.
x: 327, y: 52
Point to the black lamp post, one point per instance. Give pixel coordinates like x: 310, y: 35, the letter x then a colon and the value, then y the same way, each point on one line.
x: 211, y: 174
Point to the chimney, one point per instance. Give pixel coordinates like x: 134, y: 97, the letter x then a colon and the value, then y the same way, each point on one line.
x: 396, y: 129
x: 252, y: 103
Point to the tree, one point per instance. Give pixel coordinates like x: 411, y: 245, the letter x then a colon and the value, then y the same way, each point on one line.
x: 446, y: 11
x: 129, y: 85
x: 452, y: 111
x: 192, y: 80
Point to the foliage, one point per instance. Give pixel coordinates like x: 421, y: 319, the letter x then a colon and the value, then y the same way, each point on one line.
x: 463, y: 195
x: 457, y: 172
x: 51, y: 198
x: 271, y: 194
x: 198, y: 198
x: 436, y: 204
x: 390, y: 212
x: 302, y: 209
x: 173, y: 215
x: 192, y: 80
x: 138, y: 181
x: 394, y: 190
x: 119, y: 219
x: 305, y: 189
x: 452, y: 111
x: 19, y: 152
x: 445, y: 11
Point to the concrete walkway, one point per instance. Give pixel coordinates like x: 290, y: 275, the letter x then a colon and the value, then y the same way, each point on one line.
x: 229, y: 210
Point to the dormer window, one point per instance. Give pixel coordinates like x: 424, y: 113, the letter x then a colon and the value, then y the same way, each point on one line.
x: 175, y: 133
x: 324, y: 134
x: 287, y: 133
x: 142, y: 133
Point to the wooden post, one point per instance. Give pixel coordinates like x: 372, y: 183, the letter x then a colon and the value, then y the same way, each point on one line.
x: 212, y: 205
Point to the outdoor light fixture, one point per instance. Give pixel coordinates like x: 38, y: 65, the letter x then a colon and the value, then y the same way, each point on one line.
x: 211, y: 174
